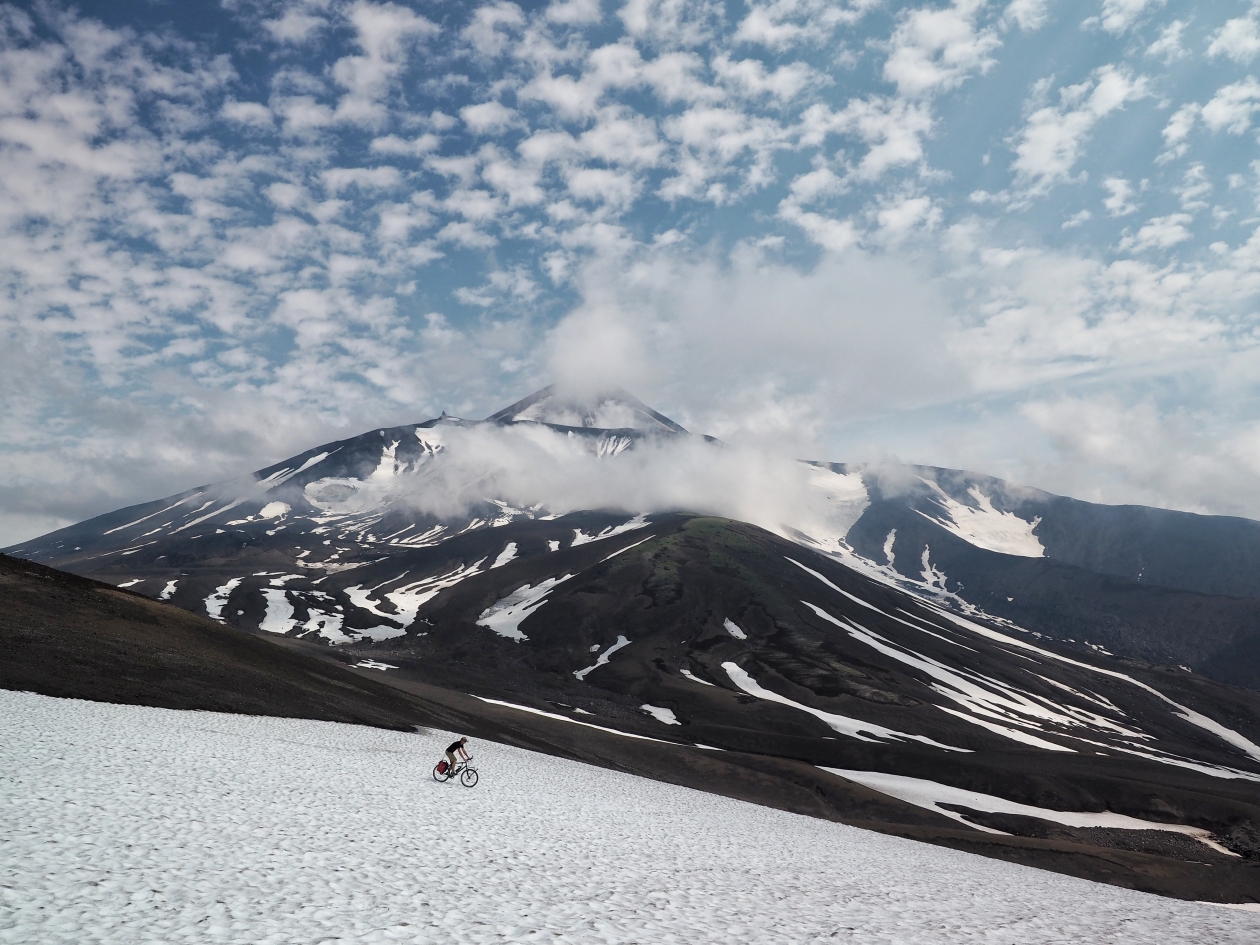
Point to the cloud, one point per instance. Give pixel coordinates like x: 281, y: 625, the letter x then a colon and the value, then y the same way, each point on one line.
x: 1052, y: 139
x: 1238, y: 39
x: 1118, y: 16
x: 574, y: 12
x: 1157, y: 454
x: 487, y: 118
x: 1232, y: 106
x: 1159, y: 233
x: 770, y: 202
x: 1028, y: 15
x: 936, y: 49
x: 492, y: 27
x: 1168, y: 47
x: 1177, y: 131
x: 1119, y: 201
x: 296, y: 25
x: 784, y: 24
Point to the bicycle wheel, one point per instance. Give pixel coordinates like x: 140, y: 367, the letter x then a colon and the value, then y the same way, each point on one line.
x: 468, y: 777
x: 438, y: 775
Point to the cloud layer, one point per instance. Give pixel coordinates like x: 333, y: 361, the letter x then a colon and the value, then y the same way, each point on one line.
x: 842, y: 229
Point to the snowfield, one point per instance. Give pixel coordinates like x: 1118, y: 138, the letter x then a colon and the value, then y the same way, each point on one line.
x: 127, y: 824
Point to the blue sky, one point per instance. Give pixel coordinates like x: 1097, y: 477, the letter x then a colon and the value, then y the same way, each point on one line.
x: 1020, y: 238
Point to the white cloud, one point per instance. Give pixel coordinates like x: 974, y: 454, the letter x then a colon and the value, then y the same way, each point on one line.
x: 492, y: 26
x: 406, y: 147
x: 1027, y: 14
x: 296, y: 25
x: 782, y: 24
x: 1077, y: 219
x: 897, y: 217
x: 384, y: 32
x: 1119, y: 15
x: 248, y: 113
x: 1114, y: 448
x: 488, y: 118
x: 1050, y: 143
x: 1232, y: 106
x: 751, y: 78
x: 934, y: 50
x: 1194, y: 187
x: 837, y: 236
x: 1159, y: 233
x: 1239, y: 39
x: 1177, y: 131
x: 338, y: 179
x: 1119, y: 201
x: 893, y: 128
x: 1168, y: 47
x: 574, y: 12
x: 671, y: 23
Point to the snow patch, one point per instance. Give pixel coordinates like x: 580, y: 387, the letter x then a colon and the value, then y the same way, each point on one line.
x: 933, y: 796
x: 734, y: 630
x: 603, y: 658
x: 505, y: 616
x: 216, y: 601
x: 581, y: 538
x: 506, y: 555
x: 984, y: 526
x: 279, y: 615
x: 661, y: 715
x: 854, y: 728
x: 274, y: 510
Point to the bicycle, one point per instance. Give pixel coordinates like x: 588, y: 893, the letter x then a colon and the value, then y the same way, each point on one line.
x: 466, y: 772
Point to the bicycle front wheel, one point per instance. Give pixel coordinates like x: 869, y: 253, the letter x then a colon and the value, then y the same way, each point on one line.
x: 468, y: 778
x: 438, y: 775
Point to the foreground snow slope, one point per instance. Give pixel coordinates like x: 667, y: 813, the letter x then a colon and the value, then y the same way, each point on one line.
x: 129, y: 824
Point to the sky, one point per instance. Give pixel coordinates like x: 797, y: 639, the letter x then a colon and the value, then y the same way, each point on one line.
x: 1020, y: 238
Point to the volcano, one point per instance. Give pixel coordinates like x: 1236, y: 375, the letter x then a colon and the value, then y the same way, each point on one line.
x: 988, y: 665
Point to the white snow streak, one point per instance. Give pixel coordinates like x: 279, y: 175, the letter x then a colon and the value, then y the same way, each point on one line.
x: 983, y: 526
x: 854, y: 728
x: 603, y: 658
x: 932, y: 796
x: 661, y: 714
x: 216, y: 601
x: 504, y: 617
x: 733, y: 629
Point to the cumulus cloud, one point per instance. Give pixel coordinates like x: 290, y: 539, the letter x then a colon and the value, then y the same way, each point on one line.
x: 1119, y: 201
x: 1053, y: 136
x: 1118, y: 16
x: 1159, y: 233
x: 935, y: 49
x: 1238, y: 39
x: 1231, y: 108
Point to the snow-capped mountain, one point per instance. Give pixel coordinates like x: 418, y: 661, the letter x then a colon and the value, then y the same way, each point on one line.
x: 351, y: 540
x: 961, y: 653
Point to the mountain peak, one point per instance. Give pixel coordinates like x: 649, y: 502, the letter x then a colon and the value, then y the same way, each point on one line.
x: 610, y: 408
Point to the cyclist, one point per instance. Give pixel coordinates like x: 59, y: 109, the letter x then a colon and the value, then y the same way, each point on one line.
x: 456, y: 746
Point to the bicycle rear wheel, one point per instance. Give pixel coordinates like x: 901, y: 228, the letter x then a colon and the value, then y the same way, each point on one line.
x: 468, y: 777
x: 438, y: 775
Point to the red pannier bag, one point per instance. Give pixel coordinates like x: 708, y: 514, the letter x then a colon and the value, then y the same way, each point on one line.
x: 442, y: 766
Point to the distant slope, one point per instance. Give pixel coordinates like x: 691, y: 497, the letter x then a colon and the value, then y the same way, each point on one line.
x: 63, y: 635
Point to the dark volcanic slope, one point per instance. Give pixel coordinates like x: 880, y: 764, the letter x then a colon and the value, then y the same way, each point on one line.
x: 330, y: 543
x: 64, y: 635
x: 714, y: 633
x: 634, y: 612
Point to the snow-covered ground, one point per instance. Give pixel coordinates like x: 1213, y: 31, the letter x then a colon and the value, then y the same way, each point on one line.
x: 132, y: 825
